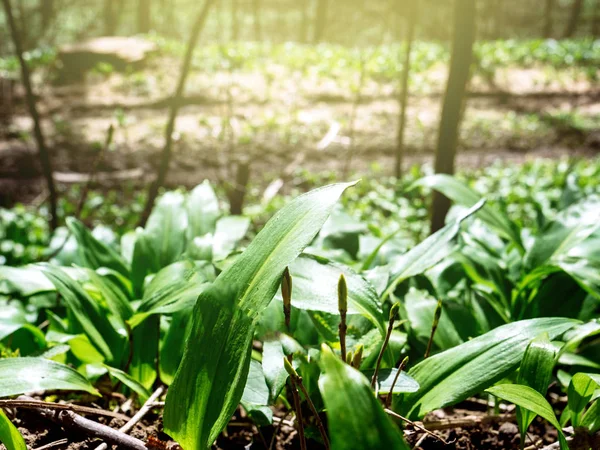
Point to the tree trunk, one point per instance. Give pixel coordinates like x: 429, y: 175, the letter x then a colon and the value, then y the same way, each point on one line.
x: 458, y: 77
x: 596, y: 21
x: 257, y: 24
x: 548, y: 18
x: 31, y: 104
x: 163, y: 168
x: 144, y: 16
x: 574, y: 18
x: 47, y: 13
x: 411, y: 20
x: 320, y: 20
x: 110, y: 22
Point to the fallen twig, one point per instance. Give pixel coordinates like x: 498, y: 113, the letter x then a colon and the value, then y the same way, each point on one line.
x: 414, y: 424
x: 469, y: 421
x: 69, y: 419
x: 53, y: 444
x: 115, y: 437
x: 138, y: 416
x: 27, y: 402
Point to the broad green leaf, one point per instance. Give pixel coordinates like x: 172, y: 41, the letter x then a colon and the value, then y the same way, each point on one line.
x: 12, y: 318
x: 145, y: 339
x: 174, y: 288
x: 173, y: 343
x: 255, y: 398
x: 9, y: 435
x: 21, y: 375
x: 532, y: 400
x: 117, y: 303
x: 355, y: 417
x: 167, y: 228
x: 229, y: 231
x: 535, y: 371
x: 385, y: 378
x: 24, y: 281
x: 315, y: 281
x: 580, y: 392
x: 128, y: 381
x: 460, y: 372
x: 463, y: 195
x: 591, y: 418
x: 275, y: 374
x: 89, y: 315
x: 428, y: 253
x: 571, y: 227
x: 203, y: 210
x: 93, y: 253
x: 420, y: 308
x: 210, y: 381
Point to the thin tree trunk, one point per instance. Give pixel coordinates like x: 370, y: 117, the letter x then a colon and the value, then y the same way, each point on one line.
x: 458, y: 77
x: 163, y: 168
x: 47, y: 13
x: 548, y: 18
x: 257, y: 23
x: 574, y: 18
x: 110, y: 22
x: 31, y: 104
x: 596, y: 21
x: 410, y: 35
x: 144, y: 16
x: 321, y: 20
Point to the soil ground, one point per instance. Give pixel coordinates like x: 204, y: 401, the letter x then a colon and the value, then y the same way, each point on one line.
x: 229, y: 117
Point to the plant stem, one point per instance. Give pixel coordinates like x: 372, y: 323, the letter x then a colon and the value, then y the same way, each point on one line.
x: 299, y: 419
x: 311, y: 405
x: 393, y: 313
x: 436, y: 321
x: 401, y: 367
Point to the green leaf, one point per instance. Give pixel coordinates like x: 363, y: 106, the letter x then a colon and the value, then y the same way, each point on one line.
x: 532, y: 400
x: 92, y: 319
x: 315, y: 288
x: 535, y: 371
x: 580, y: 392
x: 385, y: 378
x: 356, y: 418
x: 203, y: 210
x: 167, y: 228
x: 428, y: 253
x: 420, y: 309
x: 24, y: 281
x: 571, y: 227
x: 229, y: 232
x: 460, y: 372
x: 173, y: 343
x: 211, y: 378
x: 129, y: 382
x: 275, y: 374
x: 255, y: 398
x: 591, y: 418
x: 21, y: 375
x: 9, y: 435
x: 93, y: 253
x: 145, y: 339
x: 463, y: 195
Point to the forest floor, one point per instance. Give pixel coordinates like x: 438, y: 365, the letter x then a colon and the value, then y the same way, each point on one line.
x: 278, y: 125
x: 468, y: 426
